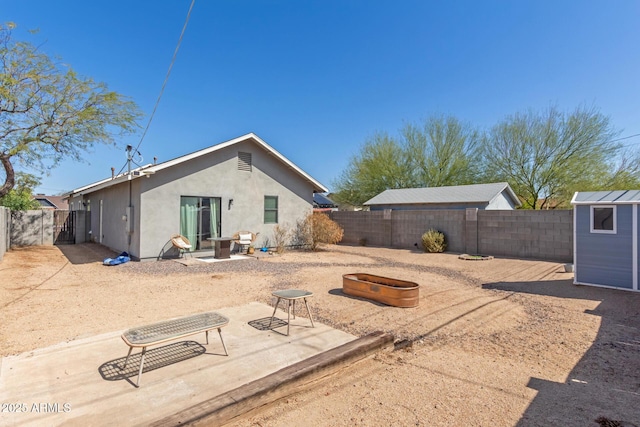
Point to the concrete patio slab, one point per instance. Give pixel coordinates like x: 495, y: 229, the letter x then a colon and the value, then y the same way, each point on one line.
x: 79, y: 382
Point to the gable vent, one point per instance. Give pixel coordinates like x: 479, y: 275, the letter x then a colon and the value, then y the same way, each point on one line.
x: 244, y: 161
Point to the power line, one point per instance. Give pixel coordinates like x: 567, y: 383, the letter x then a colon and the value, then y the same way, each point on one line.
x: 173, y: 60
x: 625, y: 137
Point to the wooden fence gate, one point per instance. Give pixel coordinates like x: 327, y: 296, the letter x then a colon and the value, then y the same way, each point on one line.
x: 64, y: 223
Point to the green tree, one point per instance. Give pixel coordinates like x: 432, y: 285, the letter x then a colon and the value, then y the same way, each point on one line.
x: 20, y: 197
x: 49, y: 113
x: 382, y: 163
x: 621, y: 173
x: 545, y: 155
x: 441, y: 151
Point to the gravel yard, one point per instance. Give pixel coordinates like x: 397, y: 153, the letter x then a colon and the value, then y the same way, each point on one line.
x: 504, y: 342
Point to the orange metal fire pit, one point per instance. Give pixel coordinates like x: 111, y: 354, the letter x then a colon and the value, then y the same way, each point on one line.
x: 394, y: 292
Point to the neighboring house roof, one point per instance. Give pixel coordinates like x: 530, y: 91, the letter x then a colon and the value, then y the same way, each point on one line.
x: 322, y: 201
x: 606, y: 197
x: 151, y: 169
x: 51, y: 202
x: 474, y: 193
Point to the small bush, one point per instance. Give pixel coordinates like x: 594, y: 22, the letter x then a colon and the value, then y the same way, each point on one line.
x: 317, y: 228
x: 281, y: 236
x: 433, y: 241
x: 324, y: 230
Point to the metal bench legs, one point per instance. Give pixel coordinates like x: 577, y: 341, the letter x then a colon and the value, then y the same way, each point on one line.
x: 289, y: 302
x: 144, y: 351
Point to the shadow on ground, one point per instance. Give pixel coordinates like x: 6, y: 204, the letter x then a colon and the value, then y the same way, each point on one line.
x: 86, y: 253
x: 115, y: 370
x: 604, y: 386
x: 340, y: 292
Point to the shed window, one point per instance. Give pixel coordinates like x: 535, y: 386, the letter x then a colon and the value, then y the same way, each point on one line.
x: 603, y: 219
x: 270, y: 209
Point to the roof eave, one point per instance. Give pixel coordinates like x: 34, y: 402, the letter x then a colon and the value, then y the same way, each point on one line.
x: 606, y: 202
x: 317, y: 186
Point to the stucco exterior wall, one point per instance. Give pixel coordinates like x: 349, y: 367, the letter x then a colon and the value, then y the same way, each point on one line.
x: 108, y: 222
x: 216, y: 175
x: 156, y: 200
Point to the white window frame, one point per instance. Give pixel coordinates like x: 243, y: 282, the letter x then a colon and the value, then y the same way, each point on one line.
x: 615, y: 217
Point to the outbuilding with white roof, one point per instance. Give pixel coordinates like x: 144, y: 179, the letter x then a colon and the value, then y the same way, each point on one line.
x: 492, y: 196
x: 605, y: 238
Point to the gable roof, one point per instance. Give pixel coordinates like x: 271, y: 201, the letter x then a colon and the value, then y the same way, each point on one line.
x: 51, y: 202
x: 151, y: 169
x: 474, y: 193
x: 606, y: 197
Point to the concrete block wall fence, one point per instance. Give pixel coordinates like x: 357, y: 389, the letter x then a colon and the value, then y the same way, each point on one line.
x: 31, y: 227
x: 546, y: 234
x: 543, y: 234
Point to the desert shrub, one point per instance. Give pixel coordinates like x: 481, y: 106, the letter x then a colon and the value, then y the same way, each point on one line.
x: 301, y: 234
x: 317, y: 228
x: 433, y: 241
x: 281, y: 236
x: 324, y: 230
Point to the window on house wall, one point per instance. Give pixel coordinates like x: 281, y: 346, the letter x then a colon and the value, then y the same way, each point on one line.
x: 603, y: 219
x: 270, y: 209
x: 200, y: 220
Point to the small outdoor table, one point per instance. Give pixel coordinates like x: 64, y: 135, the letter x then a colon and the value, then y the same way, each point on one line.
x: 223, y: 247
x: 291, y: 295
x: 170, y: 330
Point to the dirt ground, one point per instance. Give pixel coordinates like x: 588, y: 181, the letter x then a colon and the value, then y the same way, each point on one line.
x: 504, y: 342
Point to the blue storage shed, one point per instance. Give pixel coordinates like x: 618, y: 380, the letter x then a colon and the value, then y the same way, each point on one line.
x: 605, y: 238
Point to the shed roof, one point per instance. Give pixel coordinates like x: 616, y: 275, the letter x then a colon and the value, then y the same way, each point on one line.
x: 474, y: 193
x: 606, y: 197
x: 151, y: 169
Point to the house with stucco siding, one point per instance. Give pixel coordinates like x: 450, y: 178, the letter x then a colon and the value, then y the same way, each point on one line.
x: 241, y: 184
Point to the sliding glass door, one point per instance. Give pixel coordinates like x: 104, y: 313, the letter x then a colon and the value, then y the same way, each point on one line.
x: 200, y: 220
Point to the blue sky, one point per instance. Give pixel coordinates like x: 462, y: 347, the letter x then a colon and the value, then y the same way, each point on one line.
x: 315, y: 79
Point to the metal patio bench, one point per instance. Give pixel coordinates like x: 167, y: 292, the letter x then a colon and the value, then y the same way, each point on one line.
x: 170, y: 330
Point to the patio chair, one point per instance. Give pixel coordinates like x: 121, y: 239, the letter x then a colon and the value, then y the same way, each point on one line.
x: 182, y: 244
x: 244, y: 239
